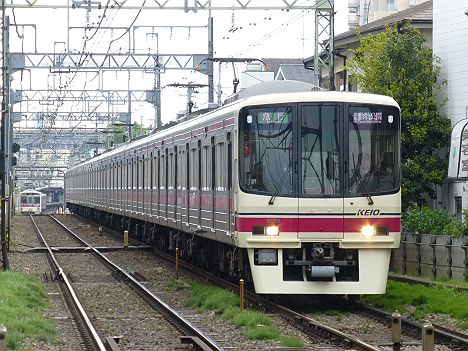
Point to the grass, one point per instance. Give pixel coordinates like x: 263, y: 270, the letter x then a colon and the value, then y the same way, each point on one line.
x: 23, y: 300
x: 443, y: 280
x: 426, y: 300
x: 255, y: 325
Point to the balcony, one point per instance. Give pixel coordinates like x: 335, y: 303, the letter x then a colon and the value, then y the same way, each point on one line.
x: 353, y: 19
x: 353, y: 4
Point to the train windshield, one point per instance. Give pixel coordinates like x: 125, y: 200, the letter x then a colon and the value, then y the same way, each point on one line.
x: 319, y: 149
x: 374, y: 149
x: 267, y: 155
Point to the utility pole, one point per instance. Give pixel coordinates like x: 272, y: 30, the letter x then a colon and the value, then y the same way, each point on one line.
x: 324, y: 41
x: 190, y: 90
x: 4, y: 130
x: 209, y: 65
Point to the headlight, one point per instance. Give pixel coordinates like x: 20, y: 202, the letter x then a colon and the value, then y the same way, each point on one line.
x: 272, y: 230
x: 368, y: 231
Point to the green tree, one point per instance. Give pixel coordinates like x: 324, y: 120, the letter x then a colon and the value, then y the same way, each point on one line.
x: 118, y: 133
x: 401, y: 64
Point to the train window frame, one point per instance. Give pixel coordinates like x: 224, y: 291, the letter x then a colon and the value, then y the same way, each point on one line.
x: 205, y: 161
x: 194, y: 154
x: 221, y: 162
x: 293, y: 107
x: 340, y: 148
x: 396, y: 152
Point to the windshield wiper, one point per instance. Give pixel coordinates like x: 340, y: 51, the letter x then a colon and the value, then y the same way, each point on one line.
x: 363, y: 187
x: 277, y: 188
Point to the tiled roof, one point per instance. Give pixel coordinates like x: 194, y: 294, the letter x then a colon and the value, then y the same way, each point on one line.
x: 297, y: 72
x: 274, y: 63
x: 421, y: 13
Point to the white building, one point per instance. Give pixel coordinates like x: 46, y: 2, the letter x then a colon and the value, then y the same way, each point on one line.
x: 450, y: 43
x: 364, y: 11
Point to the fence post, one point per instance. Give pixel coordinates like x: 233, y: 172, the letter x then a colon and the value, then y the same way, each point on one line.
x: 448, y: 245
x: 396, y: 330
x: 465, y: 261
x: 125, y: 239
x: 434, y: 258
x: 403, y: 253
x: 418, y: 255
x: 428, y: 337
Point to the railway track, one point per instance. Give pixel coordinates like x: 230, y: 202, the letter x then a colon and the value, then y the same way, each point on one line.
x: 425, y: 282
x: 74, y: 280
x: 317, y: 328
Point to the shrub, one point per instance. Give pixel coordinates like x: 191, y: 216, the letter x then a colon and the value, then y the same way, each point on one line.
x: 424, y: 220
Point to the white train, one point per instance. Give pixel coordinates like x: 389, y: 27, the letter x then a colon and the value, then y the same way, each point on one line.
x: 31, y: 202
x: 297, y: 192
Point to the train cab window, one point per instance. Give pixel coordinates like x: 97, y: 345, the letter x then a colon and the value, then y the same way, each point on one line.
x: 320, y: 171
x: 266, y: 149
x: 374, y: 149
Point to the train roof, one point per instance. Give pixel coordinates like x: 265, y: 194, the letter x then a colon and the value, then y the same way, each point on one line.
x: 31, y: 192
x: 259, y: 94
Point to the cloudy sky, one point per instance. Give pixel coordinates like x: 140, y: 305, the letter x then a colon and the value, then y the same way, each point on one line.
x: 237, y: 33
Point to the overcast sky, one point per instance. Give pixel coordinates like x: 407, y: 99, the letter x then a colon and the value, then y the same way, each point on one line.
x: 238, y: 34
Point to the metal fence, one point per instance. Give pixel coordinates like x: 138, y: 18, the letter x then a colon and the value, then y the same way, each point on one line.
x: 438, y: 256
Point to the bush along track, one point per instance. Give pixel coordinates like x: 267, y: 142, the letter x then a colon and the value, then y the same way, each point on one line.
x: 256, y: 325
x: 421, y: 302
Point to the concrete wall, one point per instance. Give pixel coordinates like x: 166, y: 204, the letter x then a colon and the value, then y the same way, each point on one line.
x: 431, y: 256
x: 450, y: 43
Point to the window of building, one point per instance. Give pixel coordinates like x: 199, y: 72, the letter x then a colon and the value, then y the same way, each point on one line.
x: 458, y: 206
x: 391, y: 5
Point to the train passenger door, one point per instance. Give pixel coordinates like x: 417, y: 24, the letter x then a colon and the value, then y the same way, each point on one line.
x: 230, y: 181
x: 195, y: 184
x: 186, y: 165
x: 206, y: 191
x: 320, y: 172
x: 163, y: 187
x: 155, y: 193
x: 181, y: 171
x: 221, y: 191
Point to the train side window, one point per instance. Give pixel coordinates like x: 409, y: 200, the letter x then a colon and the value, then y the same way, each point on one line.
x: 170, y: 171
x: 193, y: 154
x: 221, y: 168
x: 181, y: 169
x: 205, y: 163
x: 162, y: 174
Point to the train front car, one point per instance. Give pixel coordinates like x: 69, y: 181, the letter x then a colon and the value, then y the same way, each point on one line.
x: 318, y: 204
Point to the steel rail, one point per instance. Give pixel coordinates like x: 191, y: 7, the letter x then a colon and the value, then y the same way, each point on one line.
x: 441, y: 336
x: 147, y: 294
x: 308, y: 324
x: 415, y: 328
x: 426, y: 282
x: 97, y: 341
